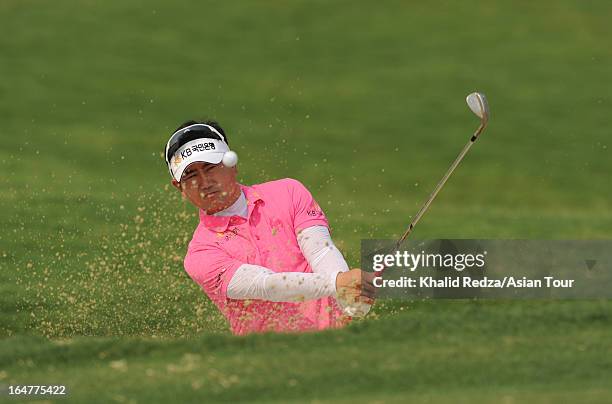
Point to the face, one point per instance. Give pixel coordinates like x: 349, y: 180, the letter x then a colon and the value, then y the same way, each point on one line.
x: 210, y: 187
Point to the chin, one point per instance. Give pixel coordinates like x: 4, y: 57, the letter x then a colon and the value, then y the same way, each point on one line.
x: 210, y: 207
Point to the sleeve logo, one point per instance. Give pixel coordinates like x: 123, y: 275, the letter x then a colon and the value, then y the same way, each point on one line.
x: 314, y: 209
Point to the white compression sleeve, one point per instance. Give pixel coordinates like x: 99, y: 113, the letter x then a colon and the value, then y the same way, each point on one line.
x: 320, y: 252
x: 257, y: 282
x: 326, y: 261
x: 323, y: 256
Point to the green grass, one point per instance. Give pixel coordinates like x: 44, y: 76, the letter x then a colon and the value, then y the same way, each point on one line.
x: 440, y: 351
x: 364, y: 104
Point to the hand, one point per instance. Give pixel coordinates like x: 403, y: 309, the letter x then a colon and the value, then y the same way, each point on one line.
x: 355, y: 292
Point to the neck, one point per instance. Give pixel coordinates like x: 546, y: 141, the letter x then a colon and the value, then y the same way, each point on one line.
x: 233, y: 196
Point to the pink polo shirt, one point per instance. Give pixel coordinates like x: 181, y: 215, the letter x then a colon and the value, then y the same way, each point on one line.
x: 277, y: 211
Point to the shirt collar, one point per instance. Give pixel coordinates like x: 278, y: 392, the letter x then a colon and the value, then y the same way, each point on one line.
x: 221, y: 223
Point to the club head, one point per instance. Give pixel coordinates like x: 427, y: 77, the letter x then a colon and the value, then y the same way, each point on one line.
x: 478, y: 104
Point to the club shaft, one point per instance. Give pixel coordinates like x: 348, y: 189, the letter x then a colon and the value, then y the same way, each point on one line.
x: 440, y: 185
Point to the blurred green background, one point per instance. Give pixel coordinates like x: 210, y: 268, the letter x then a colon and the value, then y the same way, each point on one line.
x: 363, y: 103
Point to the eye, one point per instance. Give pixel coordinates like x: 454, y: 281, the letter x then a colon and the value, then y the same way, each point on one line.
x: 189, y: 174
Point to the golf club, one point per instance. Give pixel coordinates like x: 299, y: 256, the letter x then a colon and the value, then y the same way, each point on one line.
x: 478, y: 104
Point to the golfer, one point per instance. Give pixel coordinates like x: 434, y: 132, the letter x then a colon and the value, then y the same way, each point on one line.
x: 262, y: 253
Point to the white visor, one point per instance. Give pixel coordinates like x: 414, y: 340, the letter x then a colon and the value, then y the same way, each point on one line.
x: 203, y: 150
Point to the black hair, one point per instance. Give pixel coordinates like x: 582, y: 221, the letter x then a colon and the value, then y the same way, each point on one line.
x: 208, y: 122
x: 195, y: 134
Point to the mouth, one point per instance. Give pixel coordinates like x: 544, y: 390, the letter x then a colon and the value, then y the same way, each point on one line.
x: 208, y: 194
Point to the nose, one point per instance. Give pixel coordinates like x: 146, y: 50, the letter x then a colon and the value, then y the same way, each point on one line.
x: 204, y: 180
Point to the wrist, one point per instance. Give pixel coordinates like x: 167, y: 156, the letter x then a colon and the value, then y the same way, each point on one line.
x: 333, y: 278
